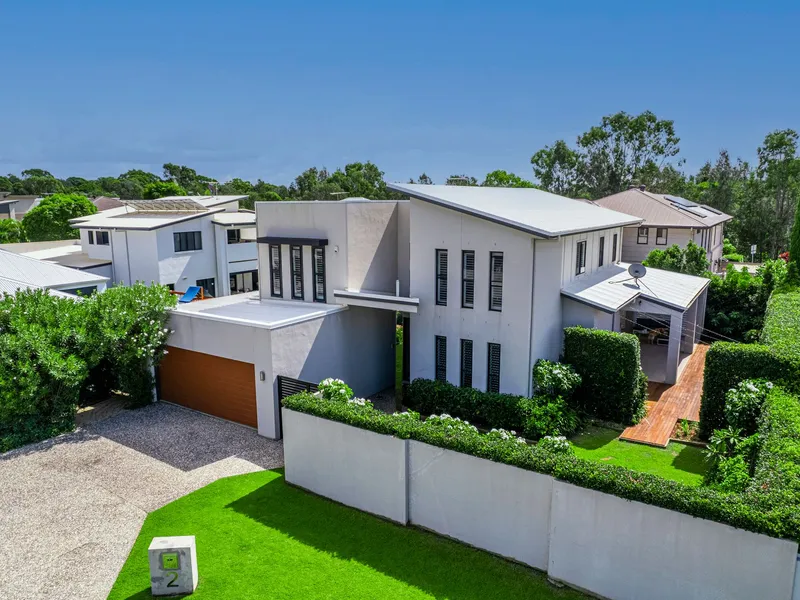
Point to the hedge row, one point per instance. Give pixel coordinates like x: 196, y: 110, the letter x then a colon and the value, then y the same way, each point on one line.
x: 738, y: 510
x: 613, y: 387
x: 776, y: 481
x: 535, y: 417
x: 782, y: 324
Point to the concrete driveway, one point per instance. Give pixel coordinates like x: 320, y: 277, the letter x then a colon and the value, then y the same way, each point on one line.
x: 71, y: 507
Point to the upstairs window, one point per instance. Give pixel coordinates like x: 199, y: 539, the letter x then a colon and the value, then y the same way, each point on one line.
x: 186, y: 241
x: 602, y: 251
x: 441, y: 277
x: 466, y: 364
x: 643, y: 235
x: 661, y: 236
x: 493, y: 368
x: 297, y: 272
x: 614, y: 249
x: 580, y: 257
x: 496, y: 281
x: 275, y: 270
x: 234, y: 236
x: 102, y: 238
x: 468, y: 279
x: 91, y: 237
x: 441, y: 358
x: 319, y: 274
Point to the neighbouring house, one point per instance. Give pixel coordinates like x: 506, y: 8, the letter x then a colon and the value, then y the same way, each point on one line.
x: 667, y: 220
x: 106, y: 203
x: 8, y: 209
x: 25, y: 272
x: 67, y: 253
x: 177, y: 241
x: 21, y: 204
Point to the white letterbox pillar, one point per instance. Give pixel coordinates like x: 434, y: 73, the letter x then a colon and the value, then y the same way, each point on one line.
x: 173, y: 565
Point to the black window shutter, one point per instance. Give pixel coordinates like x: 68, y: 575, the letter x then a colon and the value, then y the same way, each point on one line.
x: 496, y: 281
x: 441, y: 277
x: 466, y: 363
x: 493, y: 375
x: 319, y: 274
x: 441, y: 358
x: 468, y: 279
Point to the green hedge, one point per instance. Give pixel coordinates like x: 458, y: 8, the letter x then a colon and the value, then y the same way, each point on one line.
x: 535, y: 417
x: 776, y: 481
x: 727, y: 365
x: 738, y: 510
x: 782, y: 324
x: 613, y: 385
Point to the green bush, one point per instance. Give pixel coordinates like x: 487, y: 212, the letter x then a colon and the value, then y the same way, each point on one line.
x: 733, y: 257
x: 536, y: 417
x: 782, y: 324
x: 613, y: 385
x: 727, y: 365
x: 733, y: 474
x: 743, y: 404
x: 739, y: 510
x: 736, y: 303
x: 555, y: 379
x: 54, y: 348
x: 49, y: 220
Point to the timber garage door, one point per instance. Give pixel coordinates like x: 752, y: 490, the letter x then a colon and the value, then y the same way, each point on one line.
x: 218, y: 386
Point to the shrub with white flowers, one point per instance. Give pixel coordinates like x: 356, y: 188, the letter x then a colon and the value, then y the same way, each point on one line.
x: 335, y: 390
x: 557, y: 444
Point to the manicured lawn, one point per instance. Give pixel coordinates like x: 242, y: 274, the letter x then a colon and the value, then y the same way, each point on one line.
x: 678, y: 462
x: 258, y: 537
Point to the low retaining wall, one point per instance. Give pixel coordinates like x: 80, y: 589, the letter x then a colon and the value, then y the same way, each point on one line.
x: 597, y: 542
x: 499, y: 508
x: 629, y: 550
x: 353, y: 466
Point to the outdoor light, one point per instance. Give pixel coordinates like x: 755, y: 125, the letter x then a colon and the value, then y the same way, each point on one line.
x: 262, y: 376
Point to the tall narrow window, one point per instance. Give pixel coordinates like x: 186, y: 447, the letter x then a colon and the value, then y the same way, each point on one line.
x: 614, y: 249
x: 467, y: 279
x: 319, y: 274
x: 602, y: 251
x: 466, y: 363
x: 297, y: 272
x: 275, y: 270
x: 496, y: 281
x: 441, y: 358
x: 441, y: 277
x: 661, y: 236
x: 493, y: 368
x: 580, y: 257
x: 91, y: 237
x: 103, y: 240
x: 643, y: 234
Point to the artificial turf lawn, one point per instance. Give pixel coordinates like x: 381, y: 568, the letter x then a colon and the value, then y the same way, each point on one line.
x: 258, y: 537
x: 678, y: 462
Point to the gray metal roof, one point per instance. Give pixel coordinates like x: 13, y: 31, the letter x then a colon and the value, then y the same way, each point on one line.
x: 527, y: 209
x: 611, y: 288
x: 663, y: 210
x: 11, y: 287
x: 33, y: 272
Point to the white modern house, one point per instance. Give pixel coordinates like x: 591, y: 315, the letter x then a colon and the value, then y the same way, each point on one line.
x: 483, y: 279
x: 25, y: 272
x: 667, y: 220
x: 177, y: 241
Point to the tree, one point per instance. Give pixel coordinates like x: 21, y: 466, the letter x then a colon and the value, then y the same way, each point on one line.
x: 11, y: 231
x: 506, y: 179
x: 558, y: 169
x: 50, y: 219
x: 36, y: 182
x: 690, y: 260
x: 779, y: 169
x: 794, y: 245
x: 363, y: 180
x: 422, y: 179
x: 461, y: 180
x: 722, y: 185
x: 162, y: 189
x: 5, y: 184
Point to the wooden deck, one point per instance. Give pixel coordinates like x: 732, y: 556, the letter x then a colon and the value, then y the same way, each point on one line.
x: 680, y: 401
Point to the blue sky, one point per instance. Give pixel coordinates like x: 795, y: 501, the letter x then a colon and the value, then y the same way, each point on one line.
x: 267, y: 89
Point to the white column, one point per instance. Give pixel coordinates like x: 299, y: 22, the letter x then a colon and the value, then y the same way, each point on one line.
x: 674, y: 348
x: 689, y: 326
x: 701, y: 314
x: 221, y: 251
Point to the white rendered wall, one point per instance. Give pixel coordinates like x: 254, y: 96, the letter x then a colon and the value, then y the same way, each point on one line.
x: 547, y: 330
x: 635, y: 252
x: 492, y: 506
x: 184, y: 268
x: 372, y: 246
x: 569, y: 245
x: 438, y: 228
x: 629, y: 550
x: 135, y: 256
x: 353, y: 466
x: 95, y: 250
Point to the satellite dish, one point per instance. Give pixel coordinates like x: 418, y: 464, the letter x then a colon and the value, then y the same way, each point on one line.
x: 637, y: 270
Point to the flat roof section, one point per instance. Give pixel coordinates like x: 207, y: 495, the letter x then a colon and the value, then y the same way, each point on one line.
x: 248, y: 309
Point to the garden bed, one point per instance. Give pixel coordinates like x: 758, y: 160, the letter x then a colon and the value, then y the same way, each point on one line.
x: 677, y: 462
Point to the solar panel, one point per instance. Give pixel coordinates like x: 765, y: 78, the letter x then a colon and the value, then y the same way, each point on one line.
x: 166, y: 205
x: 695, y: 212
x: 711, y: 210
x: 681, y: 201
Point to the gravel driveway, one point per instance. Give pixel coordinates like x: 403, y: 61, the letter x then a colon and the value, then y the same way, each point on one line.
x: 71, y: 507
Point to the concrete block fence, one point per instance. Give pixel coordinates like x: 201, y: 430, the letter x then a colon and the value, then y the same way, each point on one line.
x: 597, y: 542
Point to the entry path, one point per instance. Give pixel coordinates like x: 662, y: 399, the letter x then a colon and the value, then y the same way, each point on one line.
x: 680, y: 401
x: 71, y: 507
